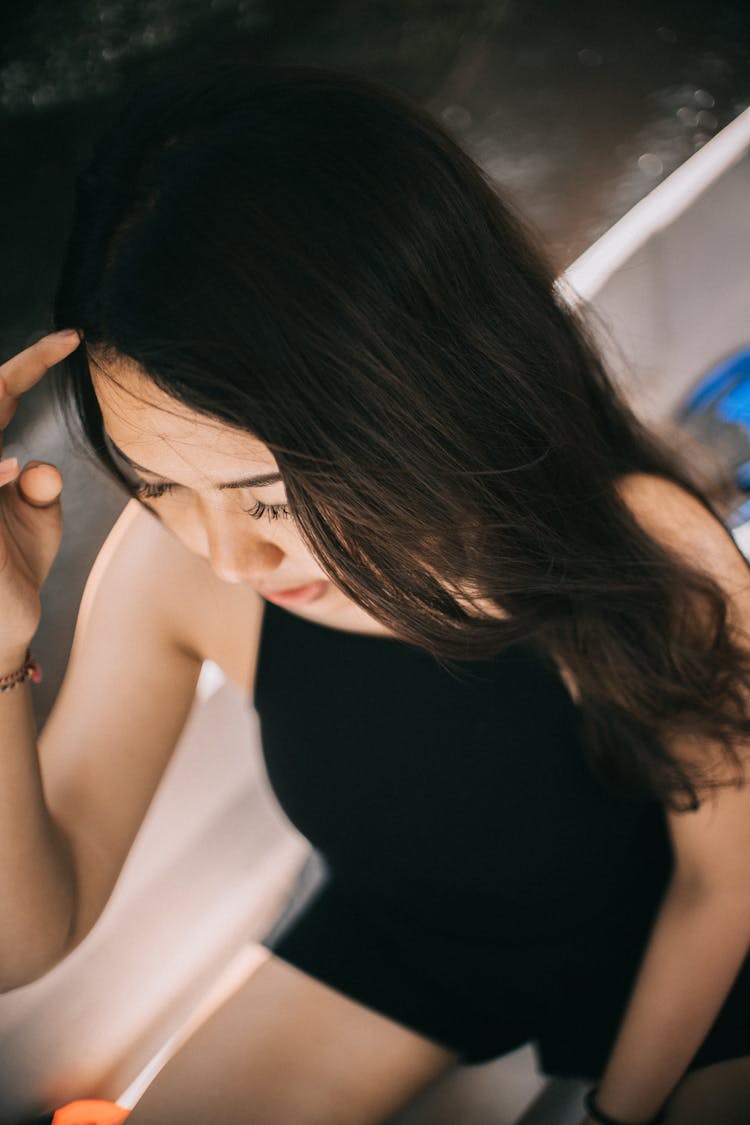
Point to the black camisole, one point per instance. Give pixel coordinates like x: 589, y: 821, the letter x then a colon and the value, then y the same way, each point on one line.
x: 484, y: 883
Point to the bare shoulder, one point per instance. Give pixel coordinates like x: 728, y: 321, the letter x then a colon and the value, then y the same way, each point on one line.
x: 666, y: 507
x: 674, y: 517
x: 711, y: 845
x: 211, y: 619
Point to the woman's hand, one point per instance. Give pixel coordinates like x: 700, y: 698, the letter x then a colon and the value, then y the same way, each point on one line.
x: 30, y: 511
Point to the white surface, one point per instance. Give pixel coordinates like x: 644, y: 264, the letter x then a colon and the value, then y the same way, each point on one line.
x: 669, y: 284
x: 741, y: 537
x: 661, y: 208
x: 208, y: 872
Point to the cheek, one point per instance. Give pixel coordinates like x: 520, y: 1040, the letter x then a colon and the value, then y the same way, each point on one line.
x: 286, y: 535
x: 183, y: 524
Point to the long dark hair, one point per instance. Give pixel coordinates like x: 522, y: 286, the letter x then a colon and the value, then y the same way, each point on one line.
x: 309, y: 256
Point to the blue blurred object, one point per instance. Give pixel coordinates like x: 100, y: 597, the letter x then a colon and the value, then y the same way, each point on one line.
x: 717, y: 413
x: 726, y: 388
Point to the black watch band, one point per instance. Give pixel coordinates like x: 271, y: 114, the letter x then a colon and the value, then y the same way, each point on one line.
x: 603, y: 1118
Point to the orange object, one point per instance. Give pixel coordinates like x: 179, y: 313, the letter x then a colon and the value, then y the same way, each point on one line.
x: 90, y: 1112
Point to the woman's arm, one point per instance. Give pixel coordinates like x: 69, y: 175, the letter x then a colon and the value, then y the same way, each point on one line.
x: 36, y: 878
x: 700, y: 938
x: 702, y: 932
x: 74, y: 798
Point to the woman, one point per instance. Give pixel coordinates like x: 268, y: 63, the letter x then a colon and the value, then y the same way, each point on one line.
x: 495, y: 630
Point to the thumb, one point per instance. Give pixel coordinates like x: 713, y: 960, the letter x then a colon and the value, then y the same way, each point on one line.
x: 39, y: 484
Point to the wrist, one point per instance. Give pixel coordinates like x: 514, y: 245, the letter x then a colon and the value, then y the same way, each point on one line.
x: 16, y: 668
x: 11, y: 660
x: 597, y: 1114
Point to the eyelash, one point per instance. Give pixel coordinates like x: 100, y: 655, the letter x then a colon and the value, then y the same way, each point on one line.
x: 273, y: 511
x: 259, y: 509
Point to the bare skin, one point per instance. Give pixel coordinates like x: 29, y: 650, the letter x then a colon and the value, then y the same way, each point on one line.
x: 718, y: 1093
x: 284, y: 1047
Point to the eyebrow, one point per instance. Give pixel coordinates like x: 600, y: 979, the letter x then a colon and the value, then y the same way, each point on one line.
x: 251, y: 482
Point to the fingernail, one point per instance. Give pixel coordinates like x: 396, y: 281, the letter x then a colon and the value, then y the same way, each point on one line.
x: 65, y: 334
x: 9, y: 465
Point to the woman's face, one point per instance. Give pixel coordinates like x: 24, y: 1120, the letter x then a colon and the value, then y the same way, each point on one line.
x: 179, y: 459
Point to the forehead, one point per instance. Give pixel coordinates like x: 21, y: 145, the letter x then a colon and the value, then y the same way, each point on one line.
x: 163, y: 434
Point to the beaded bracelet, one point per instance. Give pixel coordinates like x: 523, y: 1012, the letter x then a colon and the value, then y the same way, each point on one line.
x: 602, y: 1118
x: 30, y: 671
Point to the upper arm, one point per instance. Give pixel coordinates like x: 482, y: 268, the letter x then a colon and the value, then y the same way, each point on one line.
x: 712, y: 844
x: 127, y: 691
x: 682, y: 523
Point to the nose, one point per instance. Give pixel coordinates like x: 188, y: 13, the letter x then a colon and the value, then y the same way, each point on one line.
x: 239, y: 555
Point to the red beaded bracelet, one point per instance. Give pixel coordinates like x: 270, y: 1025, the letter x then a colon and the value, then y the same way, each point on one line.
x: 30, y: 671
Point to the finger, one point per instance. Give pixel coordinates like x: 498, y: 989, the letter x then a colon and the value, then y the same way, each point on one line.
x: 22, y: 371
x: 39, y: 484
x: 8, y: 470
x: 8, y: 404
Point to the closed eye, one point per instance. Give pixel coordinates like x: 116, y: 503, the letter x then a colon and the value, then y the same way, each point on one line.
x: 273, y: 511
x: 146, y: 491
x: 151, y: 491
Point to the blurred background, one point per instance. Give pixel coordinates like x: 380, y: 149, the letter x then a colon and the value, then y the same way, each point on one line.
x: 578, y: 109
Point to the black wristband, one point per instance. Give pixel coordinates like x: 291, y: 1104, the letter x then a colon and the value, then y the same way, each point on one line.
x: 602, y: 1118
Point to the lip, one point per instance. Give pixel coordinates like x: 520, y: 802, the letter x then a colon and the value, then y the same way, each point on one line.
x: 298, y: 595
